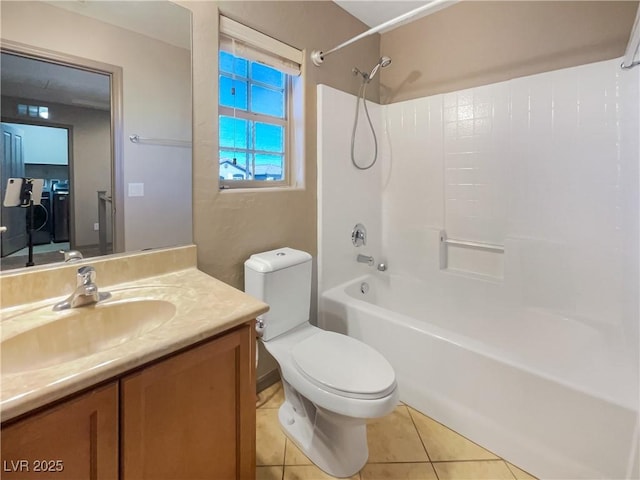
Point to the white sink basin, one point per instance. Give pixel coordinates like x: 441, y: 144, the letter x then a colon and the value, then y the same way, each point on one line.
x: 81, y: 332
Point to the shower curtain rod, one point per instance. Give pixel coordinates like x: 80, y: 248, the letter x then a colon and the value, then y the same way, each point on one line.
x: 633, y: 47
x: 318, y: 56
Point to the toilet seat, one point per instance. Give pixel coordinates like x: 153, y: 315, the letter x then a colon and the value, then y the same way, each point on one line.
x: 344, y: 366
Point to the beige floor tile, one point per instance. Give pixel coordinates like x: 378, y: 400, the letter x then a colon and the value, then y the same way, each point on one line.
x: 271, y: 397
x: 308, y: 472
x: 269, y: 473
x: 394, y: 439
x: 443, y: 444
x: 483, y: 470
x: 519, y: 473
x: 270, y: 440
x: 398, y: 471
x: 294, y: 456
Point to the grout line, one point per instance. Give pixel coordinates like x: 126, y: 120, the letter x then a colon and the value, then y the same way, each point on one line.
x: 284, y: 456
x: 460, y: 435
x: 419, y: 436
x: 471, y: 461
x: 509, y: 465
x: 398, y: 463
x: 435, y: 472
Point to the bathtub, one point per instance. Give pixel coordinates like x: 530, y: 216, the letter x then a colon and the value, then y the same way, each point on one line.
x: 553, y: 395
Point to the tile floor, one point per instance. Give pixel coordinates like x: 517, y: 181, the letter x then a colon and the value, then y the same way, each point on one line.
x: 405, y: 445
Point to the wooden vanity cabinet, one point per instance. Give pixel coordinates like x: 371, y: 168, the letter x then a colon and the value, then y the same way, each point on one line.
x: 77, y: 439
x: 188, y: 416
x: 192, y: 416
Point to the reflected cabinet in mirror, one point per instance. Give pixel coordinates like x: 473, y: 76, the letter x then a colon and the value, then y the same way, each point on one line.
x: 79, y: 79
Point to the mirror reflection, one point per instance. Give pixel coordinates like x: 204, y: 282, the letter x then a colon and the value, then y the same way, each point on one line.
x: 56, y: 126
x: 68, y: 120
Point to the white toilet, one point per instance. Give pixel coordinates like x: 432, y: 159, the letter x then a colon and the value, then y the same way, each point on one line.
x: 332, y: 382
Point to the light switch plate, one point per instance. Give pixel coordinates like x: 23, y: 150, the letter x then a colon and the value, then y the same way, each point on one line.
x: 136, y: 189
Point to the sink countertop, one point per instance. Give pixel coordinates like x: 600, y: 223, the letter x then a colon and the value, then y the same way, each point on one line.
x: 205, y: 307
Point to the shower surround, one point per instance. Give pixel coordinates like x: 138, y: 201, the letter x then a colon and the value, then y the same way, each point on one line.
x: 532, y: 352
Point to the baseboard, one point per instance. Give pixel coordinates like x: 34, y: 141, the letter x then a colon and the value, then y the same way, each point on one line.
x: 268, y: 379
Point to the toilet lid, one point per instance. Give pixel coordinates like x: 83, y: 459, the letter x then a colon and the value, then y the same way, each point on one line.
x: 344, y: 365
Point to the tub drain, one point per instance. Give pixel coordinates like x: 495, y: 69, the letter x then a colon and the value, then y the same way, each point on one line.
x: 364, y: 287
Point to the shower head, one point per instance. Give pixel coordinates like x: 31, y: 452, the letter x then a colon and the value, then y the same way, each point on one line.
x: 383, y: 62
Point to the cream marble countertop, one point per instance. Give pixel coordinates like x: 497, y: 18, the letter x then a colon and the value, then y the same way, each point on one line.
x: 205, y: 307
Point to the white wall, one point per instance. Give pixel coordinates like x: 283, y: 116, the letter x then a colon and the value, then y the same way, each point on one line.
x: 45, y: 145
x: 157, y: 104
x: 346, y: 196
x: 546, y: 165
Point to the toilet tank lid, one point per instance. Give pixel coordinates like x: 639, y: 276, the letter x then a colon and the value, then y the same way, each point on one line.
x: 276, y: 260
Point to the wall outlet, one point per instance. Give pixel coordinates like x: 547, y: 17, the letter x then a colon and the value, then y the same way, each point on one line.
x: 96, y: 227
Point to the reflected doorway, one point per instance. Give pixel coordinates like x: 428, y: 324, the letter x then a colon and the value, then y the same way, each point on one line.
x: 63, y: 116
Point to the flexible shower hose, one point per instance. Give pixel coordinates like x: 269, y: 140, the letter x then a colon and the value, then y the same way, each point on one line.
x: 362, y: 92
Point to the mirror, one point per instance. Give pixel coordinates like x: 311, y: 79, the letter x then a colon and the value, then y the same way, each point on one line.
x: 79, y: 79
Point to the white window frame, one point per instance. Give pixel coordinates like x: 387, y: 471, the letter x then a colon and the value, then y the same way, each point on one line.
x: 288, y: 60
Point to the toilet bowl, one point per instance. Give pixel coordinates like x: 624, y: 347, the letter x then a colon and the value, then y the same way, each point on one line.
x: 332, y: 383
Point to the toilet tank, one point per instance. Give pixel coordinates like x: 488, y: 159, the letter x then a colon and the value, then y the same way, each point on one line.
x: 282, y: 279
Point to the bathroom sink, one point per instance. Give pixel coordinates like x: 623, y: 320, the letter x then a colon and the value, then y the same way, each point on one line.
x: 81, y: 332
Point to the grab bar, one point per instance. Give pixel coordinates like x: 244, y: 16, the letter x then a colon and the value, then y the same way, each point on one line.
x: 444, y: 242
x: 480, y: 246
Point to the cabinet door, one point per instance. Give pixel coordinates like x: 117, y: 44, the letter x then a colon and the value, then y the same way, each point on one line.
x: 192, y: 416
x: 77, y: 439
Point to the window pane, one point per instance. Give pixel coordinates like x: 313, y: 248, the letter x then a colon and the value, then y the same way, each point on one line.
x: 267, y: 101
x: 269, y: 167
x: 231, y: 64
x: 268, y: 75
x: 234, y: 165
x: 233, y: 93
x: 269, y: 137
x: 233, y: 132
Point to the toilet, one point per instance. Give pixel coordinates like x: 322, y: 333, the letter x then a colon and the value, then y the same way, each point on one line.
x: 332, y: 383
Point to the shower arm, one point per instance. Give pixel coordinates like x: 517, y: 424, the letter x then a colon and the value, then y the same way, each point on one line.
x: 318, y: 56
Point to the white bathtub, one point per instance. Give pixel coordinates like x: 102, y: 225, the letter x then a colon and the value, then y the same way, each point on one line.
x: 547, y: 393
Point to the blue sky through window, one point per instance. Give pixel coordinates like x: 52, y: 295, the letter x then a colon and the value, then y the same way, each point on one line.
x: 231, y: 64
x: 258, y: 146
x: 269, y: 137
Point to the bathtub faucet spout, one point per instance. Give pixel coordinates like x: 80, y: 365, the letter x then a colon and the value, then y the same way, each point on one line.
x: 365, y: 259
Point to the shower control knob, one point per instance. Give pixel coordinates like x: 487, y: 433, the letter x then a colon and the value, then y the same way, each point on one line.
x: 359, y: 235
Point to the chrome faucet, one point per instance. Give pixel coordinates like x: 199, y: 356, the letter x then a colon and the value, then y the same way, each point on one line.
x: 365, y: 259
x: 71, y: 255
x: 86, y: 292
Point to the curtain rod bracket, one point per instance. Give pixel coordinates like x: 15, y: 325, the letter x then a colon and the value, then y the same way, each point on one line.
x: 317, y: 57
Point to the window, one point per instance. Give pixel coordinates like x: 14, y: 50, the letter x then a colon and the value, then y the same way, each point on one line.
x: 258, y: 87
x: 253, y: 120
x: 33, y: 110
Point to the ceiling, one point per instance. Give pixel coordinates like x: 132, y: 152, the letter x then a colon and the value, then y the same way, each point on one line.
x: 154, y: 19
x: 32, y: 79
x: 376, y: 12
